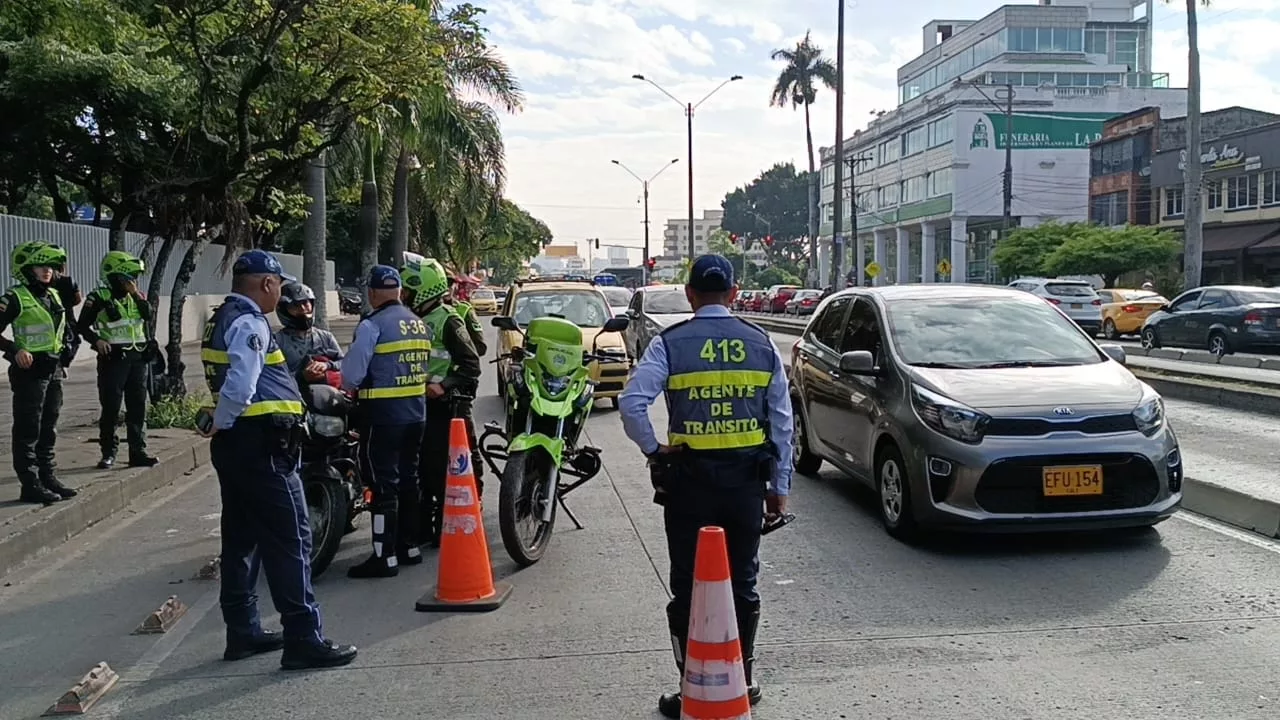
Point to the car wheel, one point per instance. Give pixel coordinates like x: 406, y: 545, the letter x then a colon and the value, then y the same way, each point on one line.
x: 1109, y: 329
x: 803, y: 458
x: 895, y: 494
x: 1150, y: 340
x: 1218, y: 344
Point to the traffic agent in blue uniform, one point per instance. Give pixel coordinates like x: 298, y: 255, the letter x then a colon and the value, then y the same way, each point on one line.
x: 728, y: 454
x: 387, y: 367
x: 257, y: 433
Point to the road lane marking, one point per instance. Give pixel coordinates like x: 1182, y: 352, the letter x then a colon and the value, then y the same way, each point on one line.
x: 1254, y: 539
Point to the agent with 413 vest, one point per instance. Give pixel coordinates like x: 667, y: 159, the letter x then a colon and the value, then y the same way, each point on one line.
x: 33, y: 310
x: 728, y: 458
x: 257, y: 435
x: 387, y: 366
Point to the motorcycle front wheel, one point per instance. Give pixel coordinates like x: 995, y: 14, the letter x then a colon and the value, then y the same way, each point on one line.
x: 327, y: 514
x: 521, y: 500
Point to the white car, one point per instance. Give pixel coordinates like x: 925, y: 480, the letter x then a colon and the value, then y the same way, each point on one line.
x: 619, y: 298
x: 1075, y: 298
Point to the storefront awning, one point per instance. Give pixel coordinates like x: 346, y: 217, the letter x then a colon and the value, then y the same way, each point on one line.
x: 1234, y: 238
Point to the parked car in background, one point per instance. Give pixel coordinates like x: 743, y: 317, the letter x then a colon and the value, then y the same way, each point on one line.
x: 978, y: 407
x: 743, y: 300
x: 1222, y: 319
x: 1124, y: 311
x: 483, y: 301
x: 803, y: 302
x: 1075, y: 298
x: 619, y: 298
x: 756, y: 303
x: 652, y: 310
x: 775, y: 299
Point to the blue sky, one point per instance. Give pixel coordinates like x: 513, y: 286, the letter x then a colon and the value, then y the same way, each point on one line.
x: 575, y: 59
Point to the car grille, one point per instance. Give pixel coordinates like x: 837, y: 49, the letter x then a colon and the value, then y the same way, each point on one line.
x: 1035, y: 427
x: 1016, y: 485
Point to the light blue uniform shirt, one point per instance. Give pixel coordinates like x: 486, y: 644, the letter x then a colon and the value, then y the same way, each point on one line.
x: 649, y: 380
x: 245, y: 365
x: 355, y: 366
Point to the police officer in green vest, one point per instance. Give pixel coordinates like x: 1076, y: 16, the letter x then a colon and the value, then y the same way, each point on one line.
x: 33, y: 311
x: 728, y: 450
x: 468, y: 315
x: 454, y: 366
x: 114, y: 322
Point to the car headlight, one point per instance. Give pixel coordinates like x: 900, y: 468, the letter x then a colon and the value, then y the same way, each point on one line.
x: 327, y: 425
x: 949, y: 417
x: 1149, y: 415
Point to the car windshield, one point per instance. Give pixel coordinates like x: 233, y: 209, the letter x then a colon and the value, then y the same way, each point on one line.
x: 807, y: 294
x: 1248, y: 297
x: 584, y: 308
x: 617, y: 296
x: 667, y: 302
x: 483, y: 294
x: 1136, y: 295
x: 1081, y: 290
x: 986, y: 332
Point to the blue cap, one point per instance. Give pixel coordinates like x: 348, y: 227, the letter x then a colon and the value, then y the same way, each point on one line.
x: 260, y: 262
x: 711, y: 273
x: 383, y: 277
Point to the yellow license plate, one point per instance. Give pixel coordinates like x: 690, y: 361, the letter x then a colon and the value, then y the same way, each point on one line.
x: 1073, y: 480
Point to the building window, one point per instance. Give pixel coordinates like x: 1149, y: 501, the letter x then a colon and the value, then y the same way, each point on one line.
x: 828, y: 175
x: 1095, y: 42
x: 940, y: 182
x: 888, y: 196
x: 913, y: 141
x: 1172, y: 202
x: 889, y: 151
x: 1271, y: 188
x: 1242, y: 192
x: 959, y: 63
x: 942, y: 131
x: 866, y: 201
x: 1110, y: 210
x: 1045, y: 40
x: 912, y: 190
x: 1213, y: 194
x: 1126, y: 49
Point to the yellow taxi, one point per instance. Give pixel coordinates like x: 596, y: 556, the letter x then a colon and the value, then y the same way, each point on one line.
x: 1124, y: 311
x: 579, y: 302
x: 483, y: 301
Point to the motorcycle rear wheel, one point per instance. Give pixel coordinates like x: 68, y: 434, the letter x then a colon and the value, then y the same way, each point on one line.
x: 520, y: 502
x: 327, y: 513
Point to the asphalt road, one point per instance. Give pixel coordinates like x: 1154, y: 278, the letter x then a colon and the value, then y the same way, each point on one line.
x: 1181, y: 621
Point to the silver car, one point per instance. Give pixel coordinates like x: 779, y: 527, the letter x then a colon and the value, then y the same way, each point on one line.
x: 979, y: 407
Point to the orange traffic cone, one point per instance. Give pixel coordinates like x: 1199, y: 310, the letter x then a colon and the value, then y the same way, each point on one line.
x: 464, y: 577
x: 714, y: 686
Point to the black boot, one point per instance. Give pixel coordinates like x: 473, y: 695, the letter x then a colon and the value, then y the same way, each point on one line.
x: 748, y: 623
x: 383, y: 563
x: 107, y: 462
x: 53, y: 485
x: 143, y: 460
x: 38, y: 494
x: 409, y: 534
x: 669, y: 703
x: 240, y: 647
x: 310, y: 655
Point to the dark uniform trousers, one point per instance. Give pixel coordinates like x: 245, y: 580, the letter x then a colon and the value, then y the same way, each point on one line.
x: 37, y: 403
x: 433, y: 467
x: 389, y: 463
x: 264, y: 524
x: 122, y: 375
x: 724, y: 488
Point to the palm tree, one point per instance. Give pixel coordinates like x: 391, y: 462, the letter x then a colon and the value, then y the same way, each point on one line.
x: 797, y: 85
x: 1192, y: 226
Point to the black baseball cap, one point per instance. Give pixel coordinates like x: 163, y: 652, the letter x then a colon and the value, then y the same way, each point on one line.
x: 711, y: 273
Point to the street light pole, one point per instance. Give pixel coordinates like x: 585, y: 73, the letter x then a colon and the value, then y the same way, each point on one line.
x: 837, y: 199
x: 644, y: 263
x: 688, y: 108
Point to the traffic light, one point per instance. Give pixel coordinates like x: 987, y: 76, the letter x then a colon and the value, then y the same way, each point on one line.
x: 652, y: 262
x: 733, y: 238
x: 768, y: 241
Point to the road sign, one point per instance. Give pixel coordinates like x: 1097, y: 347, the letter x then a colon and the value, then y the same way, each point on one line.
x: 872, y: 269
x: 944, y: 267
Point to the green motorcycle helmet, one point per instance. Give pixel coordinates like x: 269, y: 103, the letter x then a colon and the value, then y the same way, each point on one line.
x: 33, y: 255
x: 424, y: 278
x: 119, y: 262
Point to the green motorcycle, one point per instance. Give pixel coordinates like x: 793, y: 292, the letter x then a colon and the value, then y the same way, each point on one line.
x: 549, y: 394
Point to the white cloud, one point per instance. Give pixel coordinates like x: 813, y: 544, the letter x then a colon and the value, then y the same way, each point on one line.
x: 735, y: 44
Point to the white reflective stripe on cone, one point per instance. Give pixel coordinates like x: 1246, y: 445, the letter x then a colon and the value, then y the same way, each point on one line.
x: 713, y: 619
x: 714, y: 680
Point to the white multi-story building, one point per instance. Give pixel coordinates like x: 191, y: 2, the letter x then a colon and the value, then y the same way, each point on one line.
x: 675, y: 238
x: 929, y: 174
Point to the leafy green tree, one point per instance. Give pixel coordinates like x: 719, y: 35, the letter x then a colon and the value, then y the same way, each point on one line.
x: 1112, y: 252
x: 772, y: 204
x: 775, y: 276
x: 1026, y: 249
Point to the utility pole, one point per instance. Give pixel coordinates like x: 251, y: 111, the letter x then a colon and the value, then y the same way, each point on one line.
x: 644, y: 263
x: 853, y: 209
x: 1008, y: 160
x: 837, y: 200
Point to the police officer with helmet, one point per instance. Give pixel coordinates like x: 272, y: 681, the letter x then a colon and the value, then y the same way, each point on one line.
x: 387, y: 366
x: 257, y: 432
x: 114, y: 322
x: 728, y: 458
x: 33, y: 310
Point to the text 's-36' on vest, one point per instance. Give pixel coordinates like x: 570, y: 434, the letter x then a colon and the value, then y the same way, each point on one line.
x: 277, y: 391
x: 127, y: 329
x: 720, y: 369
x: 394, y: 391
x: 36, y: 329
x: 440, y: 362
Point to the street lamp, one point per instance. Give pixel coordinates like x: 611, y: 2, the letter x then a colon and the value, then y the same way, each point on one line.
x: 688, y: 111
x: 644, y: 264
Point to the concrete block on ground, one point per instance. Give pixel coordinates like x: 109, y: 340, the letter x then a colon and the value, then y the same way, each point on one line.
x: 1270, y: 364
x: 1241, y: 361
x: 83, y: 695
x: 1165, y: 353
x: 1199, y: 356
x: 1239, y: 396
x: 1232, y: 507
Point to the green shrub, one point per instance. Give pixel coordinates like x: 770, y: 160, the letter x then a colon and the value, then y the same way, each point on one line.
x: 176, y: 412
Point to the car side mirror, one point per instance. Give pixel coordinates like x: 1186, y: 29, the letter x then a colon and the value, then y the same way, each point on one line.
x: 858, y: 362
x: 1115, y: 352
x: 504, y: 322
x: 1166, y: 308
x: 617, y: 324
